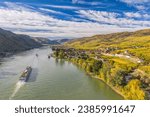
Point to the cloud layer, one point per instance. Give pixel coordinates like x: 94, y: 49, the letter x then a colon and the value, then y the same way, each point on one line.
x: 139, y: 4
x: 114, y: 19
x: 52, y: 22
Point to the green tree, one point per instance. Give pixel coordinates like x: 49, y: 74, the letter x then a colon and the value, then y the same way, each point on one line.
x: 56, y: 53
x: 61, y: 54
x: 96, y: 66
x: 118, y: 78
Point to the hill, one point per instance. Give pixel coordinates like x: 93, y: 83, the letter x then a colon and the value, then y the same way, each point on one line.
x: 61, y: 41
x: 135, y: 43
x: 46, y: 41
x: 11, y: 42
x: 122, y: 60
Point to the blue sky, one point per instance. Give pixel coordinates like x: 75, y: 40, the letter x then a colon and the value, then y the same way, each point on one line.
x: 56, y: 19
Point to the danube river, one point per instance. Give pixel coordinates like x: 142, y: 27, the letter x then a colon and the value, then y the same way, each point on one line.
x: 50, y: 79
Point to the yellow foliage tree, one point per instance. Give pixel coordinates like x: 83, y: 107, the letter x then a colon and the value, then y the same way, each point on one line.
x: 133, y: 91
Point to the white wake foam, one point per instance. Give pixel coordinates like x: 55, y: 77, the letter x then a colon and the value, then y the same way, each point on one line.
x: 19, y: 84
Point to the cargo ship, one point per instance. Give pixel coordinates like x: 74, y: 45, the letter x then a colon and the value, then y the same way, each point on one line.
x: 26, y: 74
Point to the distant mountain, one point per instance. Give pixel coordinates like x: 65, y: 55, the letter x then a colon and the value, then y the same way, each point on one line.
x: 46, y: 41
x: 51, y: 42
x: 11, y: 42
x: 63, y: 40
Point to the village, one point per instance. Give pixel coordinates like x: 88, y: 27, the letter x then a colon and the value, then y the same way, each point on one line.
x: 97, y: 55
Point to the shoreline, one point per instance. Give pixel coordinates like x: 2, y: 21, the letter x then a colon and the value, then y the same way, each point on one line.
x: 8, y: 54
x: 95, y: 77
x: 113, y: 88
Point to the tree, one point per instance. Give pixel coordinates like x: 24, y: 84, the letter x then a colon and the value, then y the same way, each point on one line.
x: 119, y: 78
x: 96, y: 66
x: 61, y: 54
x: 56, y: 53
x: 133, y: 90
x: 89, y: 68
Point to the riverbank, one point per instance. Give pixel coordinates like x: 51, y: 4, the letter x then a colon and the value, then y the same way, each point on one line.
x: 50, y: 79
x: 8, y: 54
x: 115, y: 72
x: 5, y: 54
x: 96, y: 77
x: 117, y: 91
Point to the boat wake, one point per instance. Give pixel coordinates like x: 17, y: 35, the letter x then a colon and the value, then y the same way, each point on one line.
x: 19, y: 84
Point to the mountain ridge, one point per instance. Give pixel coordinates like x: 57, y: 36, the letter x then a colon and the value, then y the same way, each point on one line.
x: 119, y: 34
x: 11, y: 42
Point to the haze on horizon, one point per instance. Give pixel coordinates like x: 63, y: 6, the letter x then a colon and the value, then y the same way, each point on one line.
x: 58, y: 19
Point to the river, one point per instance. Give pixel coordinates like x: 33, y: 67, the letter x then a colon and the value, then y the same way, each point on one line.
x: 50, y: 79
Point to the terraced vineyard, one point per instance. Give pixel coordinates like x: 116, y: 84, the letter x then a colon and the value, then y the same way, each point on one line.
x: 125, y: 60
x: 133, y: 45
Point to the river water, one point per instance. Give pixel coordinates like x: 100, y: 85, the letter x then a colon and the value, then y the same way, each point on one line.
x: 50, y: 79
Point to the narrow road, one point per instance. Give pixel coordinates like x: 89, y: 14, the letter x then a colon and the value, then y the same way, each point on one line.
x: 132, y: 59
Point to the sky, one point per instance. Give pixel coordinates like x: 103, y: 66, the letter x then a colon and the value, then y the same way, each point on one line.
x: 67, y: 19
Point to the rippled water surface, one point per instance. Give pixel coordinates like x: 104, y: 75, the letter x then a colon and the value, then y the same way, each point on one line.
x: 50, y: 79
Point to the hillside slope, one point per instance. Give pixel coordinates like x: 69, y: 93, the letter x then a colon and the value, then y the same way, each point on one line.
x: 121, y: 60
x: 134, y: 43
x: 46, y: 41
x: 10, y: 42
x: 61, y: 41
x: 108, y: 40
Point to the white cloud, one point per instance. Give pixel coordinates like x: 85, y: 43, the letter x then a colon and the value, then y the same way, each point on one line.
x: 135, y: 1
x: 86, y: 2
x: 63, y: 7
x: 113, y: 18
x: 140, y: 7
x: 96, y: 15
x: 18, y: 6
x: 28, y: 21
x: 53, y: 11
x: 139, y: 4
x: 133, y: 15
x: 75, y: 1
x: 137, y: 15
